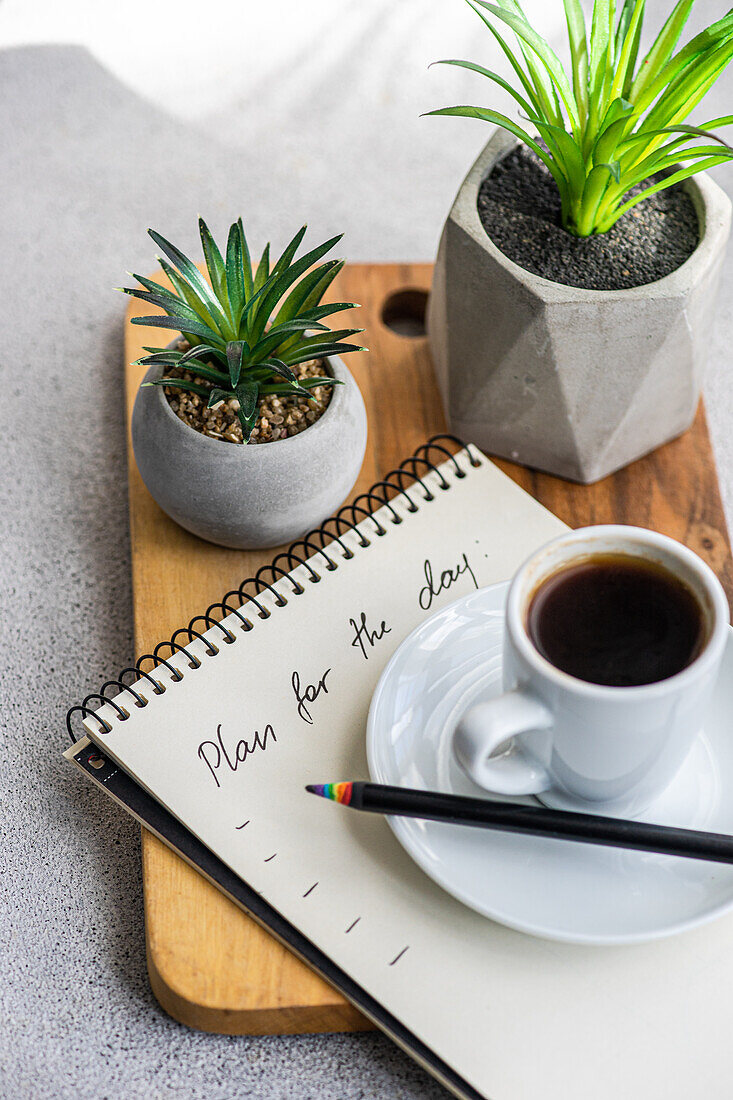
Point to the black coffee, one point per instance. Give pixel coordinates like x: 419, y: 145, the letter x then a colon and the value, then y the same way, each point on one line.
x: 616, y: 620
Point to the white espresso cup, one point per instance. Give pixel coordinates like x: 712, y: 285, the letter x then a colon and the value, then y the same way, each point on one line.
x: 580, y: 745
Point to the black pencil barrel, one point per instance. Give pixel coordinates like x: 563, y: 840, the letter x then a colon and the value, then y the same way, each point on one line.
x: 539, y: 821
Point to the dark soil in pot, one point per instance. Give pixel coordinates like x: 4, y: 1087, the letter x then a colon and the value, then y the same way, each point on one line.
x: 519, y: 207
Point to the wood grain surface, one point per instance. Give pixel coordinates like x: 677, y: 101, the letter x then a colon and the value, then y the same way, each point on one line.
x: 210, y: 965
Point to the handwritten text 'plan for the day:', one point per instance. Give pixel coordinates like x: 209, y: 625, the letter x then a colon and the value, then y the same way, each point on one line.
x: 226, y: 751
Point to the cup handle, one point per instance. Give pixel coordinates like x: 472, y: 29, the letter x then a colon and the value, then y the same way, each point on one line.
x: 485, y: 727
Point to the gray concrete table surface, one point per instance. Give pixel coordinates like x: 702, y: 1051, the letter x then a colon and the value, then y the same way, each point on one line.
x: 86, y: 166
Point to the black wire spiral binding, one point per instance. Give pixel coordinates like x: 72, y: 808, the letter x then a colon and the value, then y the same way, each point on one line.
x: 347, y: 518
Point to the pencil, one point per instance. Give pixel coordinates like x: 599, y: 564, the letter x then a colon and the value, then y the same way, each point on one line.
x: 513, y: 817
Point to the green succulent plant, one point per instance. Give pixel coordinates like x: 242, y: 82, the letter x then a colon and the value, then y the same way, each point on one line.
x: 614, y: 122
x: 247, y: 326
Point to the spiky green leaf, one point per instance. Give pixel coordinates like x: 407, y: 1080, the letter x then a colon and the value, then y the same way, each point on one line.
x: 675, y: 177
x: 246, y: 261
x: 313, y: 381
x: 696, y: 52
x: 279, y: 334
x: 547, y: 57
x: 235, y: 353
x: 302, y: 355
x: 235, y: 275
x: 630, y: 25
x: 216, y: 395
x: 162, y: 358
x: 498, y: 119
x: 304, y: 385
x: 194, y: 278
x: 247, y: 394
x: 263, y: 269
x: 577, y: 36
x: 211, y: 374
x: 156, y: 288
x: 288, y: 255
x: 179, y: 384
x: 276, y: 366
x: 185, y: 293
x: 214, y: 264
x: 545, y: 93
x: 307, y: 293
x: 536, y: 100
x: 528, y: 108
x: 180, y: 324
x: 172, y: 306
x: 282, y: 281
x: 199, y: 351
x: 662, y: 47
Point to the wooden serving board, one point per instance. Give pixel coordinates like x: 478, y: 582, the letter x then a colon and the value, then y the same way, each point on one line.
x: 210, y: 966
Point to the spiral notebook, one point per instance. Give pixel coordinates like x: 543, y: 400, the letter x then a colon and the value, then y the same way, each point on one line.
x: 211, y: 748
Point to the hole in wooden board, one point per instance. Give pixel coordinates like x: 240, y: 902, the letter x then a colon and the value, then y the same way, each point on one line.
x: 404, y: 312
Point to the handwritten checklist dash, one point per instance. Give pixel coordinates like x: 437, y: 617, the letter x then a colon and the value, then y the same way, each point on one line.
x: 353, y: 925
x: 397, y: 957
x: 310, y: 890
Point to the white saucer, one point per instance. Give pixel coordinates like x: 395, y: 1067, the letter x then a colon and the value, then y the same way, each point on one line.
x: 556, y: 889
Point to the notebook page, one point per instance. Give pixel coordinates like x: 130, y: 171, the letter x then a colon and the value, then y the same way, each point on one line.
x: 516, y: 1016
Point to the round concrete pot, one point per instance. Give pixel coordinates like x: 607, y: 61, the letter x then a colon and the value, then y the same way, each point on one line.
x: 575, y: 382
x: 249, y: 497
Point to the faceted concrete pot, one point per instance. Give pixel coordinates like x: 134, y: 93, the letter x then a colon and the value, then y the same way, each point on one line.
x: 575, y: 382
x: 249, y: 497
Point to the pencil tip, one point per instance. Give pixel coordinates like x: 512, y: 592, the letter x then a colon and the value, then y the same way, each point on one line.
x: 336, y: 792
